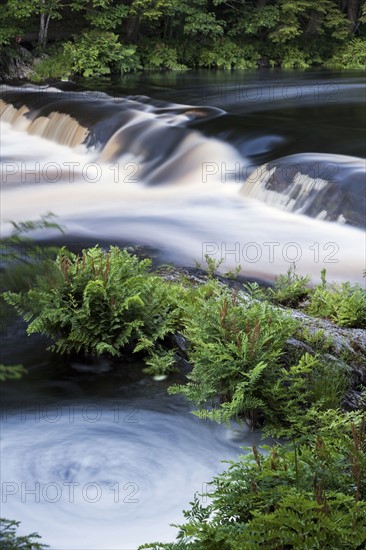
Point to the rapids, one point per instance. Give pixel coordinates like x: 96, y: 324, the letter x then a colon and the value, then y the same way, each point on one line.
x: 133, y: 169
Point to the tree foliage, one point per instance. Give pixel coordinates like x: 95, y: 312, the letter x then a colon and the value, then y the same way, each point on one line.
x: 158, y: 33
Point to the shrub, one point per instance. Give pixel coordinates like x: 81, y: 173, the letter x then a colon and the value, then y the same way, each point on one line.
x: 293, y: 57
x: 161, y: 56
x: 56, y: 65
x: 225, y: 54
x: 95, y: 52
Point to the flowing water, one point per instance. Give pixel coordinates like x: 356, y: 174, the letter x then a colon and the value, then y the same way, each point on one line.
x: 261, y: 168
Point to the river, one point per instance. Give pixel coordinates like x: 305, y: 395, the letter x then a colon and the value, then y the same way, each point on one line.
x: 261, y: 168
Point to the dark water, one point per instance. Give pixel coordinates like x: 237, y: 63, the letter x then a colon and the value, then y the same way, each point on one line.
x: 173, y: 161
x: 285, y: 112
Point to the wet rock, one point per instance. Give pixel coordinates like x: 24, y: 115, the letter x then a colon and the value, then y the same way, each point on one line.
x: 180, y: 342
x: 304, y: 183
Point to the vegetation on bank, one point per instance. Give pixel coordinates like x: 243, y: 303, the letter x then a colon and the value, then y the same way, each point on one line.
x: 344, y: 304
x: 97, y: 37
x: 251, y: 360
x: 238, y: 340
x: 310, y: 493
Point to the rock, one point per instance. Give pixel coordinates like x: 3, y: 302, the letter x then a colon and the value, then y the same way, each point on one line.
x: 305, y: 182
x: 354, y: 400
x: 180, y: 342
x: 343, y: 340
x: 19, y: 66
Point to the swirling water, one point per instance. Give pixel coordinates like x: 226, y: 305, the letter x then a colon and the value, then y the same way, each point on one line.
x: 98, y: 457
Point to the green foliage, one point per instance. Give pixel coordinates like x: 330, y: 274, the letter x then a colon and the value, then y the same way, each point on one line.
x: 25, y: 8
x: 56, y: 65
x: 344, y: 304
x: 151, y: 10
x: 238, y: 350
x: 32, y: 225
x: 173, y: 34
x: 95, y: 51
x: 290, y: 289
x: 292, y: 57
x: 309, y: 17
x: 21, y: 259
x: 100, y: 302
x: 225, y: 54
x: 109, y: 18
x: 161, y: 363
x: 350, y: 56
x: 212, y: 267
x: 316, y: 339
x: 309, y: 491
x: 362, y: 19
x: 235, y: 350
x: 256, y: 20
x: 11, y: 372
x: 309, y: 494
x: 161, y: 56
x: 198, y: 19
x: 10, y: 541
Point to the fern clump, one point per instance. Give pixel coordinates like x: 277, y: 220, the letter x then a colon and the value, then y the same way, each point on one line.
x: 100, y: 302
x: 343, y: 304
x: 290, y: 289
x: 242, y: 368
x: 235, y: 351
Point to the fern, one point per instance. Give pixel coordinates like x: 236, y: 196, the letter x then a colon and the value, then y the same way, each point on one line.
x: 100, y: 302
